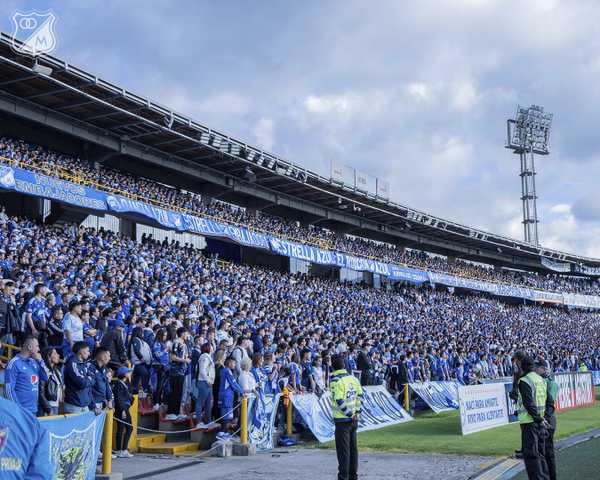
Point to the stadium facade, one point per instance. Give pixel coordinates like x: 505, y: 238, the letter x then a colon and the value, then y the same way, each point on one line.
x: 59, y: 106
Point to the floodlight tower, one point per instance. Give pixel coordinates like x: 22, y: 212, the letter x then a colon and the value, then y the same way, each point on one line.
x: 528, y: 134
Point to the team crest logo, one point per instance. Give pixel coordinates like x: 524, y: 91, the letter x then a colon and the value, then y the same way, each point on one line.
x: 36, y: 31
x: 73, y: 454
x: 7, y: 177
x: 3, y: 437
x: 34, y: 379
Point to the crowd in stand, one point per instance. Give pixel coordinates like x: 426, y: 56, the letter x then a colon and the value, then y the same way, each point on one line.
x: 105, y: 177
x: 196, y: 331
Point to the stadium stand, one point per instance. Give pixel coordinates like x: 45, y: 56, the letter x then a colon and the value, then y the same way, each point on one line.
x: 14, y: 151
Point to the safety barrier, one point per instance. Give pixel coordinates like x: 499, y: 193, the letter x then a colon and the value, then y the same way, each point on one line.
x: 10, y: 350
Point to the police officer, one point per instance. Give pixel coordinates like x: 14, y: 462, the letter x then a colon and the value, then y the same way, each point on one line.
x: 23, y: 445
x: 531, y: 406
x: 346, y: 401
x: 541, y: 368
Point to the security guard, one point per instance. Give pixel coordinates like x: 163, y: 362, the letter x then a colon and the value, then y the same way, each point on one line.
x: 346, y: 401
x: 541, y: 369
x: 531, y: 406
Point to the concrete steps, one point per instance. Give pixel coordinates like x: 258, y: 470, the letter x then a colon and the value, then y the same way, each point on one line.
x: 149, y: 439
x: 171, y: 448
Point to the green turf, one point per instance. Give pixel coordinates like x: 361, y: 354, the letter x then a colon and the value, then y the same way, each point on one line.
x: 441, y: 434
x: 578, y: 462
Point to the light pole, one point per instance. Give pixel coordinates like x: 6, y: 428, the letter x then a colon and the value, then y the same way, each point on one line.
x: 528, y: 134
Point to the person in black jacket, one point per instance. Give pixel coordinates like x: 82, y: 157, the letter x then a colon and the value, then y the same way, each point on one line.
x: 122, y: 400
x: 102, y: 396
x: 51, y: 391
x: 113, y: 342
x: 78, y: 380
x: 363, y: 363
x: 10, y: 324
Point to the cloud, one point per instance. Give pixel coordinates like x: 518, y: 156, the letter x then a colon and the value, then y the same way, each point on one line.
x: 264, y: 132
x: 417, y: 93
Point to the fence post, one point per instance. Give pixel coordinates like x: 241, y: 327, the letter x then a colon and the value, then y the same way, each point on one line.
x: 107, y: 438
x: 133, y: 410
x: 406, y: 398
x: 288, y: 415
x: 244, y: 421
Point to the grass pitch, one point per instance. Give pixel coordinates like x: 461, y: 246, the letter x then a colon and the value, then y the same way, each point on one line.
x: 440, y: 433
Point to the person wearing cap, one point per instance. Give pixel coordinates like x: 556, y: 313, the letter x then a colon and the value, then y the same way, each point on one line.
x: 531, y: 408
x: 517, y: 358
x: 346, y: 402
x: 123, y: 400
x: 541, y: 368
x: 113, y: 342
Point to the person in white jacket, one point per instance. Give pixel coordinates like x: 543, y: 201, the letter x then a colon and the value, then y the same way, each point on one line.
x: 246, y: 379
x: 205, y: 377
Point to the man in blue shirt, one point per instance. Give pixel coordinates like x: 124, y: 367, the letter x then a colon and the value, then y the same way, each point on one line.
x: 23, y: 445
x: 37, y: 314
x: 23, y: 375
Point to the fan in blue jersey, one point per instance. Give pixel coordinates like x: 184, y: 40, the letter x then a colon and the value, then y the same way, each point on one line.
x: 23, y: 375
x: 23, y: 445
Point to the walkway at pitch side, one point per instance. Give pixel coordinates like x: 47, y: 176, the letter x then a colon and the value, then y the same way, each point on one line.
x: 300, y: 464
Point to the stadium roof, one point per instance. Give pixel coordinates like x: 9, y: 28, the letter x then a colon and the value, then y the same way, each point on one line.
x: 85, y: 98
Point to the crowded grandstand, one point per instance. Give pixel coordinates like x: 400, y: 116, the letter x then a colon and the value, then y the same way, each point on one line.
x: 96, y: 270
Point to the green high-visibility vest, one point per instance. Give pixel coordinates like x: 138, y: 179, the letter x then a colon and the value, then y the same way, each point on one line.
x: 346, y: 396
x: 539, y: 390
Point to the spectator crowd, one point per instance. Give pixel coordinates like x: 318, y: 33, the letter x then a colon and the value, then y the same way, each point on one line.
x: 99, y: 316
x: 106, y: 178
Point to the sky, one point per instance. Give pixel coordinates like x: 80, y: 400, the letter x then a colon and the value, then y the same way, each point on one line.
x: 416, y: 93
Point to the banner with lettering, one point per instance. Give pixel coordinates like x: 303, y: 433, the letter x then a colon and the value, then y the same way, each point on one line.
x: 482, y: 407
x: 379, y: 410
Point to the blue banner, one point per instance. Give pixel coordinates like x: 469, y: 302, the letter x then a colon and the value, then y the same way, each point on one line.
x: 242, y: 235
x: 262, y: 412
x: 167, y: 218
x: 439, y: 396
x: 379, y: 410
x: 30, y: 183
x: 408, y: 274
x: 596, y: 377
x: 74, y: 444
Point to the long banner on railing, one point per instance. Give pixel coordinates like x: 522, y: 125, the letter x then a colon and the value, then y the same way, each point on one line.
x: 31, y: 183
x: 379, y: 410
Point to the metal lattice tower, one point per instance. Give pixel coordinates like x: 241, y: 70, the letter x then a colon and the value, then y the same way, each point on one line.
x: 528, y: 134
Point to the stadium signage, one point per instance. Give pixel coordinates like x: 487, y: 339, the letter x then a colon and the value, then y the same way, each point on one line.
x: 379, y: 410
x: 482, y: 407
x: 44, y: 186
x: 575, y: 390
x: 38, y: 185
